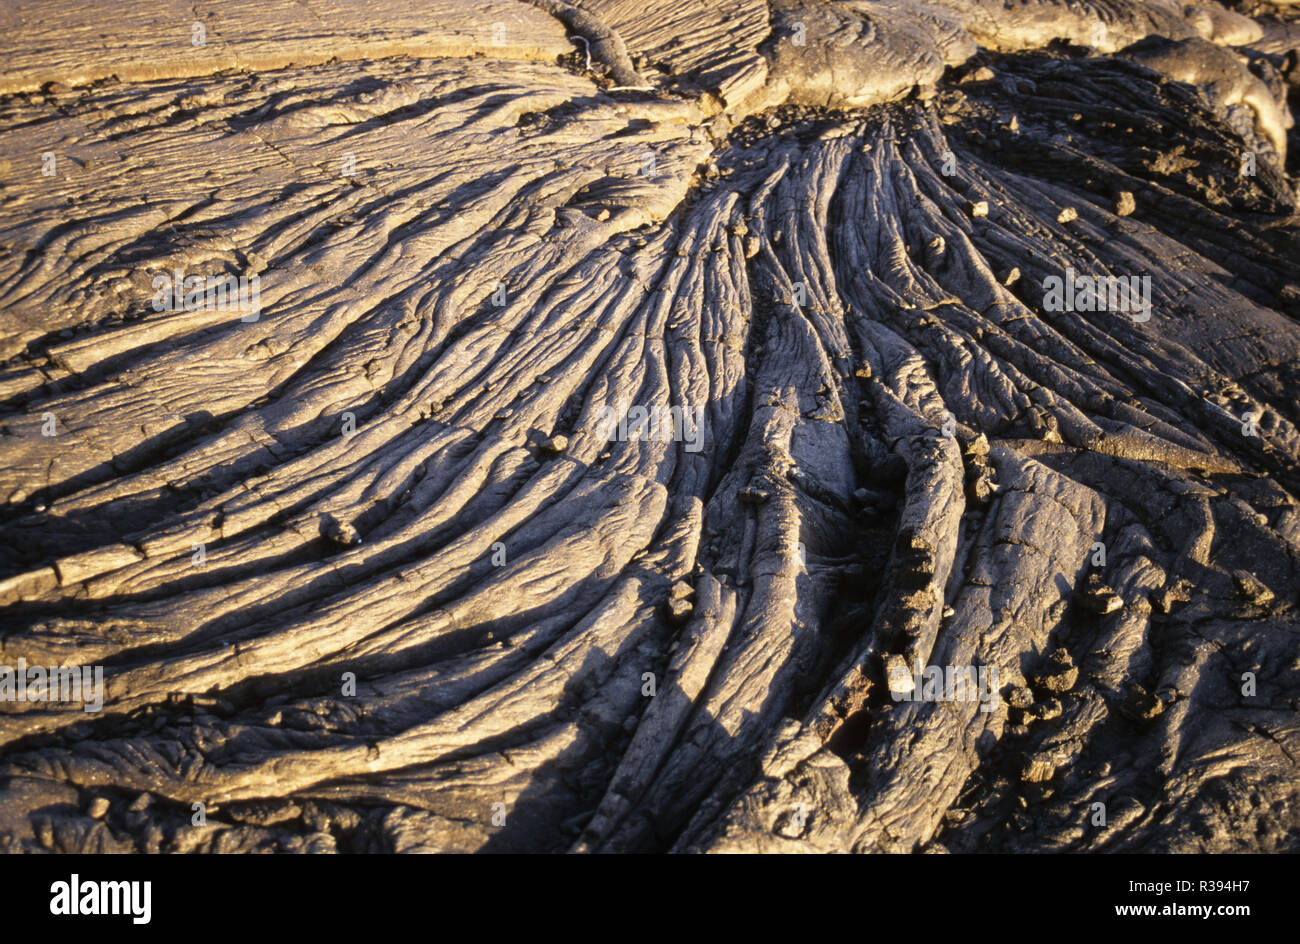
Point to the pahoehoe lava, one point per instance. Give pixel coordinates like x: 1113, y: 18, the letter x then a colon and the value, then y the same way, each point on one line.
x: 369, y: 570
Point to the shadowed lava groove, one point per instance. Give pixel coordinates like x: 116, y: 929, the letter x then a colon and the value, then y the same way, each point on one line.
x: 368, y: 568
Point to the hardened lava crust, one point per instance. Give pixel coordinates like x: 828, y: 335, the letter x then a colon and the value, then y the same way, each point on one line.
x: 649, y: 425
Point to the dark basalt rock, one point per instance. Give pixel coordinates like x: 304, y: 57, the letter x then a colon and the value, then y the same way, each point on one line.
x: 691, y: 385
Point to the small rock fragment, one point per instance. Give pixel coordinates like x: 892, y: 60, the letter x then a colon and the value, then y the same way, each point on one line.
x: 98, y: 807
x: 1068, y: 215
x: 1019, y: 697
x: 1251, y: 588
x: 1060, y: 673
x: 1139, y: 704
x: 977, y: 208
x: 898, y: 675
x: 1045, y: 710
x: 680, y: 609
x: 1124, y: 203
x: 1166, y: 598
x: 340, y: 532
x: 1099, y: 598
x: 555, y: 444
x: 981, y: 483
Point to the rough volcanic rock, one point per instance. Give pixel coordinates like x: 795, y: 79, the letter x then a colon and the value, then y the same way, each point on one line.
x: 630, y: 396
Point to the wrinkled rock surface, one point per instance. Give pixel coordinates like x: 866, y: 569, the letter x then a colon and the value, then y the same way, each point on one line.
x: 365, y: 570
